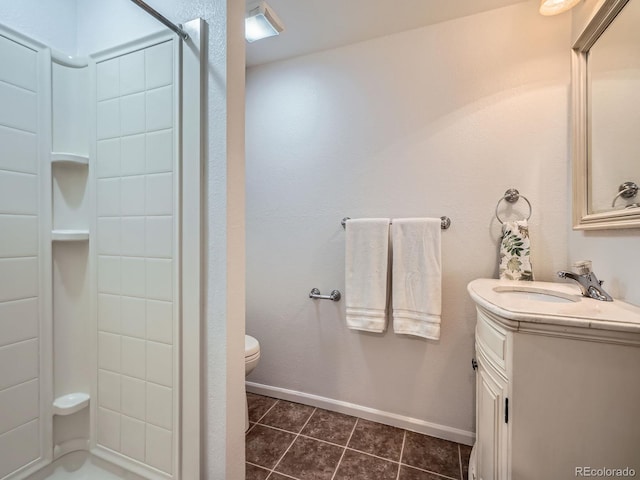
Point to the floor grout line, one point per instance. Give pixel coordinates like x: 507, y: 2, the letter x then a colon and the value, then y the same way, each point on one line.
x: 404, y: 439
x: 268, y: 410
x: 270, y: 471
x: 372, y: 455
x: 282, y: 474
x: 460, y: 462
x: 263, y: 415
x: 344, y: 449
x: 331, y: 443
x: 431, y: 472
x: 291, y: 444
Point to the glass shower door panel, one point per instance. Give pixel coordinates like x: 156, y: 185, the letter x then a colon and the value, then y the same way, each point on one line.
x: 137, y: 224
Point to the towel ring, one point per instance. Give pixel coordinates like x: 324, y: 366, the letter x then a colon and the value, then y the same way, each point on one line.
x: 512, y: 196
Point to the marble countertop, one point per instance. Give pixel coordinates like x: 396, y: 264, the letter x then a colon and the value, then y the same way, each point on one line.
x: 550, y: 303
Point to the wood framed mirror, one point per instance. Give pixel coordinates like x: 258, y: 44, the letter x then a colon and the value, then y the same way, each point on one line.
x: 606, y: 119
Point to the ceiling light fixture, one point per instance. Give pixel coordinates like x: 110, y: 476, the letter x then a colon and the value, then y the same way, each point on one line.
x: 261, y: 22
x: 554, y: 7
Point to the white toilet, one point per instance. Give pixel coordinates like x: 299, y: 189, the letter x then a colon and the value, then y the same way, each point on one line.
x: 251, y: 359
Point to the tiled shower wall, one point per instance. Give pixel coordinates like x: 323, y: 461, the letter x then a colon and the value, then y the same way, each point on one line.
x: 136, y: 248
x: 20, y: 432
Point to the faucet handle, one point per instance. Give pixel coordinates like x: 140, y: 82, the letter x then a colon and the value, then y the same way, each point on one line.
x: 582, y: 267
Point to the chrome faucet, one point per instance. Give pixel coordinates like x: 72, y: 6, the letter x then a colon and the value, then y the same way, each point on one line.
x: 587, y: 281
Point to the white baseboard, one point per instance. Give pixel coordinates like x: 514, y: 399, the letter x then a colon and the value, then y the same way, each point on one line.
x: 387, y: 418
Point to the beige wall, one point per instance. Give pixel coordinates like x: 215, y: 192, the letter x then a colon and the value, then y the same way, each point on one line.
x: 435, y: 121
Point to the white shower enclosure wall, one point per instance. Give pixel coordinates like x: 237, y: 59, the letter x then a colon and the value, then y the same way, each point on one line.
x: 95, y: 326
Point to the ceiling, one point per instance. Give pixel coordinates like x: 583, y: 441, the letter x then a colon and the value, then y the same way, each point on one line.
x: 315, y: 25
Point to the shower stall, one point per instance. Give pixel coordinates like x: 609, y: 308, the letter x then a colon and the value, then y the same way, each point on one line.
x: 100, y: 174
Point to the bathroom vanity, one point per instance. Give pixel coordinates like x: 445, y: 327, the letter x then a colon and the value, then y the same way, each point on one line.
x: 557, y: 386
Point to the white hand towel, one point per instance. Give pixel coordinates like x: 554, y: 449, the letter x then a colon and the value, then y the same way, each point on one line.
x: 416, y: 277
x: 366, y: 268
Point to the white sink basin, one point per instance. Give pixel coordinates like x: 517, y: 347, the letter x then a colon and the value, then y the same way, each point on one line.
x: 535, y: 294
x: 552, y: 303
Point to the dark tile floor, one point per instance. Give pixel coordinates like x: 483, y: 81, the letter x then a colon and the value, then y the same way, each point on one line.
x: 288, y: 441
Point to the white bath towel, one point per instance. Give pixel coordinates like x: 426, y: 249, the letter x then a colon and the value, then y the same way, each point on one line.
x: 366, y: 269
x: 416, y: 277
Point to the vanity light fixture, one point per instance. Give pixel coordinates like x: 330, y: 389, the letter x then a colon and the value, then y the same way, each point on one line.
x: 261, y: 22
x: 554, y: 7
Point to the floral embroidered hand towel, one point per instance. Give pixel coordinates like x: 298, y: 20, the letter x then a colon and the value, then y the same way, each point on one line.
x: 515, y: 251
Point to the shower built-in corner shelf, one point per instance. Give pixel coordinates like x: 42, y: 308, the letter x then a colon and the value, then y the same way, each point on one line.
x: 71, y: 403
x: 70, y: 235
x: 69, y: 158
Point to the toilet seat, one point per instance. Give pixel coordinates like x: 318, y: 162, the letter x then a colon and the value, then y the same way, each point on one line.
x: 251, y: 347
x: 251, y: 359
x: 251, y: 354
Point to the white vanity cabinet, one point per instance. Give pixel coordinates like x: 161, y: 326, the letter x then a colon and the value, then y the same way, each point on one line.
x: 557, y: 384
x: 492, y: 394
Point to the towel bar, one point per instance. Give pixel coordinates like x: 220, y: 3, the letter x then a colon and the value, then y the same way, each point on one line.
x: 445, y: 222
x: 315, y: 293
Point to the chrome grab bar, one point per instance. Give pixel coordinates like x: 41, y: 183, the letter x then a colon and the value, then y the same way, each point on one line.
x: 335, y: 295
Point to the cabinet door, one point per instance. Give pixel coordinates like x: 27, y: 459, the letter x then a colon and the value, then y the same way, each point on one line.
x: 491, y: 431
